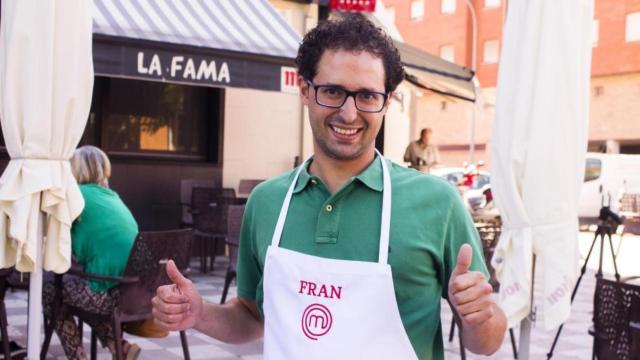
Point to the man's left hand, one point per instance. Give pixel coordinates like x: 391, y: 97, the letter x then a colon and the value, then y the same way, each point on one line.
x: 469, y: 291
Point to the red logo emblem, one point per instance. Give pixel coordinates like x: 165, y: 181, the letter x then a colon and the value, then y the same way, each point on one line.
x: 316, y: 321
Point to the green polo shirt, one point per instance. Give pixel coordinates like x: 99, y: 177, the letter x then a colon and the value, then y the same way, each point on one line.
x: 428, y: 225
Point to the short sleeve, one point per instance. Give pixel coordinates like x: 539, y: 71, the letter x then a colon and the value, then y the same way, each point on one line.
x: 460, y: 229
x: 249, y: 273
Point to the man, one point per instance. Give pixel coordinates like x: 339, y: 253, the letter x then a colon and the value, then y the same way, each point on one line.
x: 421, y: 154
x: 321, y: 274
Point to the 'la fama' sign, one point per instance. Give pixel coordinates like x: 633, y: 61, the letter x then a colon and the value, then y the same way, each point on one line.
x: 179, y: 67
x: 217, y: 70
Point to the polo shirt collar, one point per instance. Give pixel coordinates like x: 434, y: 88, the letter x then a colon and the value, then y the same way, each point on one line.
x: 370, y: 177
x: 303, y: 179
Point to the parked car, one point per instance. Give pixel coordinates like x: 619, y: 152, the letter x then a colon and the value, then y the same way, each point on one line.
x: 474, y: 187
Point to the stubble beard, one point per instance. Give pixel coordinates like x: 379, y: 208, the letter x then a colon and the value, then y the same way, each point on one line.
x: 335, y: 150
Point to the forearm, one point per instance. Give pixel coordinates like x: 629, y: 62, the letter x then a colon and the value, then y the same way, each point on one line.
x: 486, y: 338
x: 233, y: 322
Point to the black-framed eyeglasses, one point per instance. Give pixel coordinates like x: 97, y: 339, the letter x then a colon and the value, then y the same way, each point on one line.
x: 333, y: 96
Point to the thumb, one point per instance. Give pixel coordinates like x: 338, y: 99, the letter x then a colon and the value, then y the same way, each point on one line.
x: 175, y: 275
x: 464, y: 260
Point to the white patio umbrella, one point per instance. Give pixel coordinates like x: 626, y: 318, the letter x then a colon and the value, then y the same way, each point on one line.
x: 539, y: 143
x: 46, y: 80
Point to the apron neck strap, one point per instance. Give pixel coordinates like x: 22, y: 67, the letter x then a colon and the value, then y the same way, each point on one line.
x: 385, y: 221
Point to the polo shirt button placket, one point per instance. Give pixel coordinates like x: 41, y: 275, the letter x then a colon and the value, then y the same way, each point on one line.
x: 329, y: 208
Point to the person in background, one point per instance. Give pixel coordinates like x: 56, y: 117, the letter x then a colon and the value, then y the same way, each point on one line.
x: 422, y: 154
x: 101, y: 240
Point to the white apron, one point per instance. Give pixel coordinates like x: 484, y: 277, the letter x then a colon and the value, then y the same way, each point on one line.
x: 319, y: 308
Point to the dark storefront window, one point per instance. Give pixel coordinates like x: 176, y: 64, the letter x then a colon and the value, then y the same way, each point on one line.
x: 136, y: 118
x: 630, y: 148
x: 150, y: 117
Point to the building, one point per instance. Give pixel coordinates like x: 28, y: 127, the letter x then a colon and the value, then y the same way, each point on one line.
x: 425, y: 73
x: 446, y: 28
x: 188, y: 90
x: 208, y: 91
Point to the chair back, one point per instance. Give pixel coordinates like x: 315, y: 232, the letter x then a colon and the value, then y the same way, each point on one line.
x: 147, y: 260
x: 631, y: 225
x: 489, y: 236
x: 234, y: 223
x: 616, y: 320
x: 186, y: 187
x: 630, y: 202
x: 210, y: 209
x: 246, y: 185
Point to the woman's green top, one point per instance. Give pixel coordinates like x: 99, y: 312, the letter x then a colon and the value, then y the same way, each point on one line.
x: 103, y: 235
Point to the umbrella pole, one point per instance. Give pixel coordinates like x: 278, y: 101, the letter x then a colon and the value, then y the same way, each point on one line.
x: 35, y: 295
x: 525, y: 324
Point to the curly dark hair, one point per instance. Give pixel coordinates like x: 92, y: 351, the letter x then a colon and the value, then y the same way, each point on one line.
x: 351, y: 32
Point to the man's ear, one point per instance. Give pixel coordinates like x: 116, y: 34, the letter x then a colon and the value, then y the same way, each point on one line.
x: 303, y: 85
x: 388, y: 101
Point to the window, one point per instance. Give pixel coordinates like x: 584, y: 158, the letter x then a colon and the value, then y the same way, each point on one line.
x: 632, y: 31
x: 448, y: 6
x: 595, y: 32
x: 491, y: 3
x: 417, y: 10
x: 630, y: 148
x: 154, y: 119
x: 447, y: 52
x: 593, y: 169
x: 391, y: 14
x: 598, y: 91
x: 491, y: 51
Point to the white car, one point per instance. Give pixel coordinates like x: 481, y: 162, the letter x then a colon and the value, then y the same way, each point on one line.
x: 607, y: 177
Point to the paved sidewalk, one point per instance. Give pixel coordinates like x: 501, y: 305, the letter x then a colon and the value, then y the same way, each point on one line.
x: 574, y: 342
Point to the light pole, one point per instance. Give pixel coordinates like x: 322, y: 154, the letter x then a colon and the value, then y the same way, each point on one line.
x: 474, y: 54
x: 474, y: 34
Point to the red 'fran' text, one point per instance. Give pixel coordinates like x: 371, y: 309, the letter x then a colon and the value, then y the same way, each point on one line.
x: 320, y: 290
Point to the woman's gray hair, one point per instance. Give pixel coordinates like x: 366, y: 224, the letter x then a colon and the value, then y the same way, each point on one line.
x: 90, y: 165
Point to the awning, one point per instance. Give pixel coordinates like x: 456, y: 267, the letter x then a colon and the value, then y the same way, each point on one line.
x: 240, y: 43
x: 432, y: 73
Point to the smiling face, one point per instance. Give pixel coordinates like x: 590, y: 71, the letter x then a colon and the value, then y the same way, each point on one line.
x: 345, y: 134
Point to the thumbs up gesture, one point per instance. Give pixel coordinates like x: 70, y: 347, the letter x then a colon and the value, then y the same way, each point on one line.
x: 176, y: 306
x: 469, y: 291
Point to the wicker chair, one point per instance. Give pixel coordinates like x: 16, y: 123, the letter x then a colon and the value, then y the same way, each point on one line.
x: 616, y: 321
x: 630, y: 202
x: 630, y: 211
x: 209, y: 210
x: 186, y: 188
x: 143, y: 274
x: 234, y: 222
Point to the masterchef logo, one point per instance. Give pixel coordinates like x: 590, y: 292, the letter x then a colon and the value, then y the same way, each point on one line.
x: 316, y: 321
x: 316, y: 318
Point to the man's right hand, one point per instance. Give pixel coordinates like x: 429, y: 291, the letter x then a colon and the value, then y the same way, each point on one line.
x: 177, y: 306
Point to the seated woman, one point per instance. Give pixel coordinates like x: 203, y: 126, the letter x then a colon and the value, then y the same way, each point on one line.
x: 101, y: 238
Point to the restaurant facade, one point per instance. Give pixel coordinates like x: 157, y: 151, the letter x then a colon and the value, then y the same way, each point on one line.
x: 208, y: 90
x: 173, y: 80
